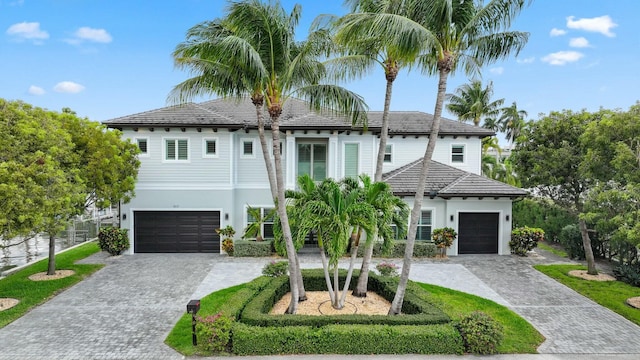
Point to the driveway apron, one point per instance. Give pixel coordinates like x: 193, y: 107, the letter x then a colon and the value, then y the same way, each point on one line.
x: 570, y: 322
x: 123, y: 311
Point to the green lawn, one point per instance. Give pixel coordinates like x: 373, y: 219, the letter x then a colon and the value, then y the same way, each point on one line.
x: 519, y: 336
x: 32, y: 293
x: 553, y: 250
x: 610, y: 294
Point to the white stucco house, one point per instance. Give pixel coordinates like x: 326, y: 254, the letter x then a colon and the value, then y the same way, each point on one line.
x: 202, y: 165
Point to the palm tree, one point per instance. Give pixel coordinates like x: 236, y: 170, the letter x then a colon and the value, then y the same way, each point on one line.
x: 363, y: 53
x: 339, y: 217
x: 512, y: 120
x: 252, y: 52
x: 463, y: 34
x: 473, y: 102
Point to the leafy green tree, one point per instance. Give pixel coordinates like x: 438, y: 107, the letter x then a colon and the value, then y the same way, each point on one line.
x: 549, y: 158
x: 253, y: 52
x: 452, y: 35
x: 55, y: 165
x: 614, y: 146
x: 542, y: 213
x: 473, y: 102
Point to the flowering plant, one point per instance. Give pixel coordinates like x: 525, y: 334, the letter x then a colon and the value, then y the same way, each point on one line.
x: 387, y: 269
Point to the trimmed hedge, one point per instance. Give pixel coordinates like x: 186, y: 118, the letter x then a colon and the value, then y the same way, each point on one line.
x: 346, y: 339
x: 252, y: 248
x: 420, y: 249
x: 416, y: 310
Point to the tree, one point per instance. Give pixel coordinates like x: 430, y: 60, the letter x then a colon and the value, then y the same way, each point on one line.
x: 252, y: 52
x: 473, y: 102
x: 363, y: 53
x: 55, y: 166
x: 456, y: 34
x: 550, y: 158
x: 512, y: 121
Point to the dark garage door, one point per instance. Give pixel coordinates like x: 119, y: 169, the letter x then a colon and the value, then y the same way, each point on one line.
x: 478, y: 233
x: 176, y: 231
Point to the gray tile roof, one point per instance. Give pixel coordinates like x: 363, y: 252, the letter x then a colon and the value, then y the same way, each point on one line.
x: 447, y: 181
x: 296, y: 115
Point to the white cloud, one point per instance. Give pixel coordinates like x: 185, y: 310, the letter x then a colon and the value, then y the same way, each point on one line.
x: 562, y: 57
x: 497, y: 70
x: 579, y: 42
x: 89, y: 34
x: 68, y: 87
x: 557, y: 32
x: 528, y: 60
x: 36, y: 90
x: 601, y: 24
x: 27, y: 31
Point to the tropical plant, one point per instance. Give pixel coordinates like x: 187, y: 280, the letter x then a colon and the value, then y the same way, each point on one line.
x: 387, y: 269
x: 253, y: 52
x: 444, y: 238
x: 227, y: 243
x: 363, y: 53
x: 339, y: 217
x: 512, y: 121
x: 113, y: 240
x: 275, y: 268
x: 525, y: 239
x: 472, y: 102
x: 463, y: 34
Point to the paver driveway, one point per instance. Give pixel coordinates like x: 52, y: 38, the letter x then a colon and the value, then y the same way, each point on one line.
x: 123, y: 311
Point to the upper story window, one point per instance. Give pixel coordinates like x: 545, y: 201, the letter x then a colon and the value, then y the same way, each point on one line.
x: 210, y: 147
x: 143, y: 145
x: 312, y: 159
x: 351, y: 157
x: 388, y: 150
x: 247, y: 148
x: 457, y: 153
x: 176, y: 149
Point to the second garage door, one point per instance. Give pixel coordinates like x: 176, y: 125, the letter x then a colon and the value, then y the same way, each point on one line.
x: 176, y: 231
x: 478, y: 233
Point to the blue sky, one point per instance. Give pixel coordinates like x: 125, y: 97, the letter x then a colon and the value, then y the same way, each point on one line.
x: 109, y: 58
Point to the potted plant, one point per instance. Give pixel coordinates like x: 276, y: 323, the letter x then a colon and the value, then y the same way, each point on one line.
x: 227, y: 242
x: 254, y: 229
x: 443, y: 238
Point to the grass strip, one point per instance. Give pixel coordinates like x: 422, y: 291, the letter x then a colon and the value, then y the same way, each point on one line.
x: 553, y: 250
x: 520, y: 337
x: 33, y: 293
x: 610, y: 294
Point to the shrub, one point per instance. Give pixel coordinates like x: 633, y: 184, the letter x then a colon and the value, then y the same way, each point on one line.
x: 481, y: 333
x: 214, y: 332
x: 544, y: 214
x: 571, y: 240
x: 525, y: 239
x: 387, y: 269
x: 252, y: 248
x: 443, y: 238
x: 275, y: 268
x: 628, y: 273
x: 420, y: 249
x: 113, y: 240
x: 227, y: 246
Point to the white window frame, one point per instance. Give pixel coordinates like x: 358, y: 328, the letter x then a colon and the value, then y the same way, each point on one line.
x: 313, y: 142
x: 432, y: 211
x: 165, y: 140
x: 344, y: 158
x: 464, y: 153
x: 253, y: 148
x: 390, y: 146
x: 262, y: 211
x: 270, y: 146
x: 204, y: 147
x: 137, y: 142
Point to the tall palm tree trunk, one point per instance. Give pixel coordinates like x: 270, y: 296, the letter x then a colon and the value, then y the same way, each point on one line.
x: 284, y: 219
x: 396, y: 305
x: 363, y: 280
x: 352, y: 261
